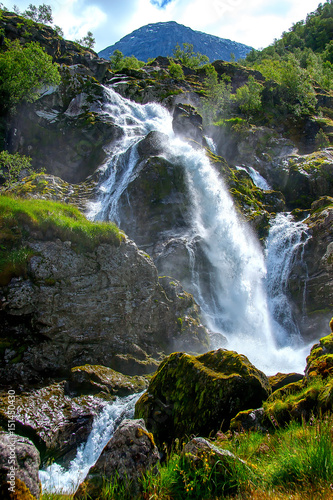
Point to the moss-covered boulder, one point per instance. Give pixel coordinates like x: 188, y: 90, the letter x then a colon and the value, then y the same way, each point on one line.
x: 320, y: 360
x: 311, y: 395
x: 92, y: 379
x: 200, y: 394
x: 280, y: 380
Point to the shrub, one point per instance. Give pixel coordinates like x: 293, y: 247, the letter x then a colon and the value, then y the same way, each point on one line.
x: 188, y: 57
x: 13, y: 166
x: 176, y: 71
x: 119, y: 61
x: 23, y: 71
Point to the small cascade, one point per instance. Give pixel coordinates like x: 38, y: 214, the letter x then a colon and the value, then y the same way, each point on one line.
x: 228, y: 274
x: 57, y: 479
x: 285, y: 244
x: 258, y: 179
x: 136, y: 121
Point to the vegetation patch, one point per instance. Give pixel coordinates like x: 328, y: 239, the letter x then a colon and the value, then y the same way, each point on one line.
x: 46, y: 220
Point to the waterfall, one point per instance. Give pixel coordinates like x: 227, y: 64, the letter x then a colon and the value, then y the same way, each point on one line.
x: 135, y: 121
x: 258, y: 179
x: 233, y: 295
x: 285, y: 244
x: 57, y: 479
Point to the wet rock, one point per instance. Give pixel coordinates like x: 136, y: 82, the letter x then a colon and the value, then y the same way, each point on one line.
x: 187, y: 123
x: 154, y: 144
x: 129, y: 453
x: 159, y: 195
x: 93, y: 379
x: 55, y: 423
x: 20, y: 453
x: 199, y: 395
x: 249, y: 420
x: 281, y: 379
x: 311, y: 277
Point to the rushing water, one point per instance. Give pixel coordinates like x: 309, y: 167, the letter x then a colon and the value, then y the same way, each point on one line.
x: 285, y: 244
x: 241, y: 297
x: 57, y: 479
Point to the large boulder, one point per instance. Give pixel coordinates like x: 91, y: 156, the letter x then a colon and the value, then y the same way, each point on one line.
x: 187, y: 123
x: 200, y: 394
x: 130, y: 452
x: 19, y: 465
x: 222, y: 465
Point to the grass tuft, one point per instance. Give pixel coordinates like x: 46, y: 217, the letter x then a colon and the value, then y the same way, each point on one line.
x: 20, y: 219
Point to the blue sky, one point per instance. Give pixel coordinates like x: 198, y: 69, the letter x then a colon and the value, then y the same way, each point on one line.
x: 253, y: 22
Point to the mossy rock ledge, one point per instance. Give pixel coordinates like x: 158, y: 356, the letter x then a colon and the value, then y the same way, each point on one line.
x: 200, y: 394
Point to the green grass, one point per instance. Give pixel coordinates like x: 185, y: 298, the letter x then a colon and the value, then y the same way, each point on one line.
x: 21, y: 219
x: 294, y: 462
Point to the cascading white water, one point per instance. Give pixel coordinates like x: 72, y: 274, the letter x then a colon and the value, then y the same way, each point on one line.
x: 57, y: 479
x: 237, y: 304
x: 135, y: 121
x: 257, y: 178
x: 285, y: 243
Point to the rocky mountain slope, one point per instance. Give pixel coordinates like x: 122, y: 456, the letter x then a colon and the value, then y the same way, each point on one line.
x: 160, y: 39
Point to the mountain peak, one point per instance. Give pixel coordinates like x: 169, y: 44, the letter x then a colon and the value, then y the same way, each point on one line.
x: 160, y: 39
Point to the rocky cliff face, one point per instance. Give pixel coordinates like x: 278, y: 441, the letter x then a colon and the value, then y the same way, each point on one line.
x: 105, y: 307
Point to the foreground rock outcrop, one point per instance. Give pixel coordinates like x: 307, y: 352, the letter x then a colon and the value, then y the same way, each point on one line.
x: 199, y: 395
x: 129, y: 453
x: 21, y: 454
x: 56, y: 423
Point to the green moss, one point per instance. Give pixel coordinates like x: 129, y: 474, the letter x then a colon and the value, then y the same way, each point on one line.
x: 298, y: 401
x: 47, y: 220
x: 199, y: 394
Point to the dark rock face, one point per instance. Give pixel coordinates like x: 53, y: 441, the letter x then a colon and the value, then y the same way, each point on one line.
x: 187, y: 123
x: 26, y: 461
x: 66, y: 139
x: 198, y: 395
x: 129, y: 453
x: 160, y: 39
x: 71, y: 302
